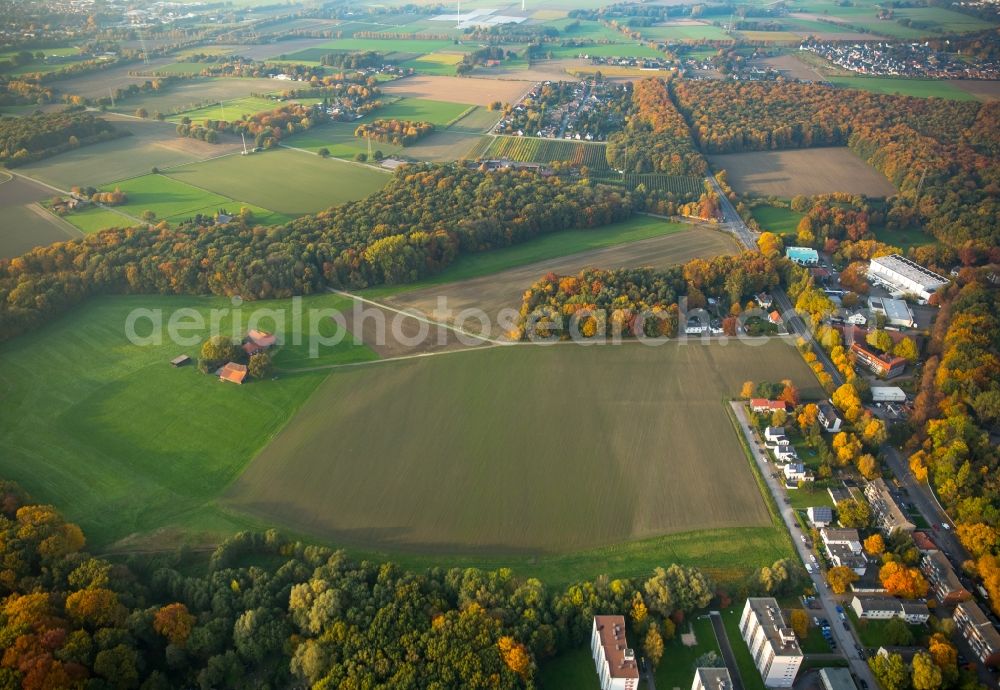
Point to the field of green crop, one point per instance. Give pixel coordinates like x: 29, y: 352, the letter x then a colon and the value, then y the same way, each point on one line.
x: 375, y: 44
x: 338, y: 138
x: 684, y: 33
x: 534, y: 150
x: 922, y: 88
x: 227, y: 110
x: 434, y: 63
x: 116, y: 437
x: 289, y: 182
x: 94, y: 219
x: 663, y: 445
x: 623, y: 49
x: 438, y: 113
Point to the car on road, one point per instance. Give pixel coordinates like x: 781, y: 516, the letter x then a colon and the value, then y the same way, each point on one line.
x: 840, y: 609
x: 945, y: 525
x: 846, y: 626
x: 863, y: 683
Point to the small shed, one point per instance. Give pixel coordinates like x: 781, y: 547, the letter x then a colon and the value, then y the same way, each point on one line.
x: 180, y: 360
x: 233, y: 372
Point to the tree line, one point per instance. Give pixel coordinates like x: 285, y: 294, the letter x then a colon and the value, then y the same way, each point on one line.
x: 656, y: 137
x: 425, y: 218
x: 398, y: 132
x: 29, y: 138
x: 644, y: 302
x: 942, y: 155
x: 266, y: 611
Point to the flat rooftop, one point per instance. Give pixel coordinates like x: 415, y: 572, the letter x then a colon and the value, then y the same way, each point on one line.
x: 837, y: 679
x: 768, y: 615
x: 911, y: 270
x: 715, y: 678
x: 894, y: 308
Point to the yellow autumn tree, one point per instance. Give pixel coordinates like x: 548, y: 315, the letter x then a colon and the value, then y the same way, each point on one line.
x: 875, y: 545
x: 747, y: 391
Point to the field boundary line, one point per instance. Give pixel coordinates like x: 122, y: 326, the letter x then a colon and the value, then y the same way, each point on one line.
x: 378, y: 168
x: 63, y: 191
x: 417, y: 316
x: 400, y: 358
x: 71, y: 230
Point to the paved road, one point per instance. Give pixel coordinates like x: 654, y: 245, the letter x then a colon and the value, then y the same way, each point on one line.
x: 727, y: 649
x: 733, y: 223
x: 845, y: 638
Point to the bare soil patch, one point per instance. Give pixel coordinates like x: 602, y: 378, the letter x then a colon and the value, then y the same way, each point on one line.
x: 983, y: 90
x: 791, y: 66
x: 24, y: 224
x: 458, y: 89
x: 802, y: 171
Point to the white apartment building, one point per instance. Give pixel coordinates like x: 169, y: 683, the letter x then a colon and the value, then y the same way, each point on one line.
x: 712, y: 679
x: 614, y: 660
x: 772, y: 644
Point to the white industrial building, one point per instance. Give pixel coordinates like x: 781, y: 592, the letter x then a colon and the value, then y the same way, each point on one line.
x: 772, y: 644
x: 712, y: 679
x: 904, y: 277
x: 888, y: 394
x: 614, y: 660
x: 896, y: 311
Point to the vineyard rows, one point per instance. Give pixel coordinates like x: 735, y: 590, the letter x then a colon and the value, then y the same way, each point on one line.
x: 533, y: 150
x: 693, y: 186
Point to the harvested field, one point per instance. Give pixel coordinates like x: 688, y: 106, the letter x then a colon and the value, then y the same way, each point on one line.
x: 802, y: 171
x: 443, y: 475
x: 96, y: 84
x: 24, y: 224
x: 152, y: 144
x: 791, y: 66
x: 981, y: 89
x: 457, y: 89
x: 194, y: 93
x: 491, y: 293
x: 444, y: 146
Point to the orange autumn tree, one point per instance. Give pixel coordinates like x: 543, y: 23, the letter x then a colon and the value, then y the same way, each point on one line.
x: 875, y: 545
x: 901, y: 581
x: 515, y: 655
x: 174, y: 622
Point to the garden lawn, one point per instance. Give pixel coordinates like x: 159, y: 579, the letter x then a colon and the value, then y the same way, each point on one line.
x: 780, y: 221
x: 117, y: 438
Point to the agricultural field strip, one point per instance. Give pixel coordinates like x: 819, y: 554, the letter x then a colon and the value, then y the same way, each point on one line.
x: 66, y: 192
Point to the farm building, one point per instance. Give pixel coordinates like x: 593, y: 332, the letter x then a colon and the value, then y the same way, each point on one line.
x: 180, y: 361
x: 885, y: 608
x: 258, y: 341
x: 827, y: 417
x: 233, y: 372
x: 820, y: 516
x: 888, y: 394
x: 837, y: 679
x: 803, y: 256
x: 902, y: 276
x: 887, y: 512
x: 977, y: 630
x: 712, y: 679
x: 614, y: 660
x: 765, y: 405
x: 881, y: 365
x: 772, y: 644
x: 775, y: 318
x: 896, y: 311
x: 945, y: 583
